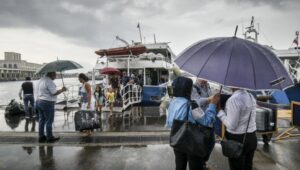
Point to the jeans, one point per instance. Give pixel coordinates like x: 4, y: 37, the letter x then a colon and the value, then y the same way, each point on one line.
x: 46, y: 117
x: 28, y: 99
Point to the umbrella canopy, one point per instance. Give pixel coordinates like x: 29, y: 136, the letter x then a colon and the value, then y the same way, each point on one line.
x: 58, y: 66
x: 235, y: 62
x: 110, y: 70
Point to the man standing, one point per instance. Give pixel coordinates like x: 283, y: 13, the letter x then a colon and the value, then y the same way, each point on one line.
x: 201, y: 93
x: 46, y: 98
x: 28, y: 97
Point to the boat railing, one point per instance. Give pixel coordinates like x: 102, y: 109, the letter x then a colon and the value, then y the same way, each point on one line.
x: 69, y: 96
x: 131, y: 94
x: 293, y: 71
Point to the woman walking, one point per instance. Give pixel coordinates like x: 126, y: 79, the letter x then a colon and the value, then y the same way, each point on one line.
x: 86, y: 96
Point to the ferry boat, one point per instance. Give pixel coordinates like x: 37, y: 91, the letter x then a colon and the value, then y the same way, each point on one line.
x: 291, y: 60
x: 150, y: 63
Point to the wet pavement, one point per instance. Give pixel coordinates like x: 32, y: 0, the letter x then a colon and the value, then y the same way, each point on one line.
x: 134, y: 119
x: 133, y: 140
x: 158, y: 157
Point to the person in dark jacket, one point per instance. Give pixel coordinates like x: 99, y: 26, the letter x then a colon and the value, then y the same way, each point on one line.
x: 28, y: 97
x: 182, y: 88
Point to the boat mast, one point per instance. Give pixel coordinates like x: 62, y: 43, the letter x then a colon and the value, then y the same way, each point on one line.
x: 139, y: 27
x: 250, y: 30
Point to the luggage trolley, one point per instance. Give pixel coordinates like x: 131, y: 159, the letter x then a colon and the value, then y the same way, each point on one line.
x: 266, y: 120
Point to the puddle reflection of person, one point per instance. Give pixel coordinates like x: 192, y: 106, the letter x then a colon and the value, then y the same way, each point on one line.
x: 46, y: 157
x: 28, y: 149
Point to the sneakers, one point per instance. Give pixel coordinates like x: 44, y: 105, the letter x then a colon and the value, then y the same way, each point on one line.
x: 42, y: 139
x: 53, y: 139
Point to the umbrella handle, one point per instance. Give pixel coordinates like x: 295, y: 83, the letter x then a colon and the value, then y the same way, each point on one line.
x: 221, y: 89
x: 62, y: 79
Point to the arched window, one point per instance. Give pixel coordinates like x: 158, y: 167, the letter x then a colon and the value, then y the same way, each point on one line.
x: 9, y: 66
x: 15, y: 66
x: 4, y: 65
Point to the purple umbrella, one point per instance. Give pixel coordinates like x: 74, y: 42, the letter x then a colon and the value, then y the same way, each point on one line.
x: 235, y: 62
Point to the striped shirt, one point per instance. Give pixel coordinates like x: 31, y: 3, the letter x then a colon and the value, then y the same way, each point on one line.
x: 237, y: 111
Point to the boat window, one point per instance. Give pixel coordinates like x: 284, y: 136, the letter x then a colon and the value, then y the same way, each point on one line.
x: 156, y: 76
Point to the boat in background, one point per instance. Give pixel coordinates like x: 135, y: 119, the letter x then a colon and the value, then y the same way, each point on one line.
x: 149, y: 63
x: 130, y: 50
x: 290, y: 57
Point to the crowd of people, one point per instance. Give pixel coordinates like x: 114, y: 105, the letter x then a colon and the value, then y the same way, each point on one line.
x: 234, y: 116
x: 46, y: 94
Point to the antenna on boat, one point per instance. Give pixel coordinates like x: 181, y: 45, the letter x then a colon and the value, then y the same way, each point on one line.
x: 250, y: 30
x: 139, y: 27
x: 154, y: 38
x: 236, y: 28
x: 125, y: 42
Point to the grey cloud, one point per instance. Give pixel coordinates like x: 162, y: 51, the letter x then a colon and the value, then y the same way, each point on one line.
x: 276, y: 4
x: 89, y: 22
x: 95, y: 23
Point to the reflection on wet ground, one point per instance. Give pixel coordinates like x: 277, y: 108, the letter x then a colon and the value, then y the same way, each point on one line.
x: 134, y: 119
x: 158, y: 157
x: 76, y: 152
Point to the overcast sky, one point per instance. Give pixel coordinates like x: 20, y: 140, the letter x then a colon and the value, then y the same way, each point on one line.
x: 42, y: 30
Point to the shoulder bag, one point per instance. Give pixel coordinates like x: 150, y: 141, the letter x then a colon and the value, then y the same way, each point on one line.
x: 189, y: 138
x: 234, y: 149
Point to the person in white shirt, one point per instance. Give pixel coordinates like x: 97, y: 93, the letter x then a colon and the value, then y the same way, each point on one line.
x: 235, y: 118
x: 46, y: 93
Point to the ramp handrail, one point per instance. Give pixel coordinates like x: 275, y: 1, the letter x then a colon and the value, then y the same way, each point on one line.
x: 131, y: 94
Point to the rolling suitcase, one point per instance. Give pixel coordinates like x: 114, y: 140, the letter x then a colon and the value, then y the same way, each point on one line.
x: 265, y: 119
x: 86, y: 120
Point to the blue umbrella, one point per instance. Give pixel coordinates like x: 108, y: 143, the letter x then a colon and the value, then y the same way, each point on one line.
x: 235, y: 62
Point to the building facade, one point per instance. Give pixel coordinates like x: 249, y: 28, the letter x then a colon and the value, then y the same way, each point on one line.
x: 14, y: 68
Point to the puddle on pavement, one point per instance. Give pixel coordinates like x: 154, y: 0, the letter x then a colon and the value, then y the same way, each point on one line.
x: 134, y: 119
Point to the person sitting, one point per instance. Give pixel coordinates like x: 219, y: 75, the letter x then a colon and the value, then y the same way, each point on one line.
x: 178, y: 109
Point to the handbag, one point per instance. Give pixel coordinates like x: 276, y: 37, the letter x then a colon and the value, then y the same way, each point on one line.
x: 189, y: 138
x: 234, y: 149
x: 86, y: 120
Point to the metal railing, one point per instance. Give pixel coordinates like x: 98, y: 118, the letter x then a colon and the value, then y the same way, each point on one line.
x: 131, y: 94
x: 71, y: 95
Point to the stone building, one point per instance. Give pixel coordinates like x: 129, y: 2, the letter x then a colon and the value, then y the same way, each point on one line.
x: 14, y: 68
